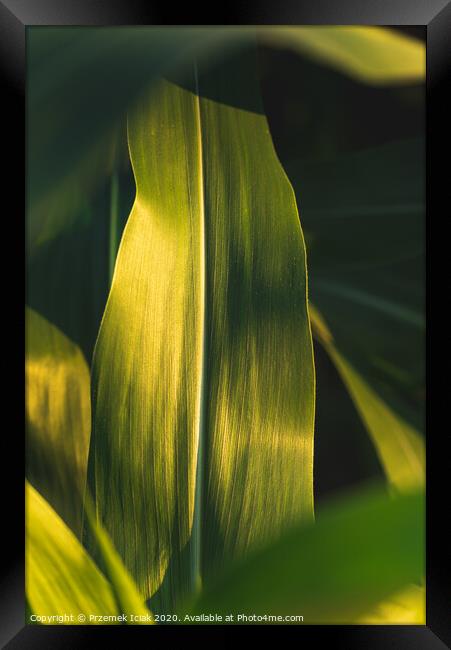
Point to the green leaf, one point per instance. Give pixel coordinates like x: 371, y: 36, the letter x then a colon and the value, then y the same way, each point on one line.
x: 363, y: 218
x: 203, y: 376
x: 61, y: 578
x: 63, y: 581
x: 373, y: 55
x: 125, y: 591
x: 360, y: 550
x: 58, y: 414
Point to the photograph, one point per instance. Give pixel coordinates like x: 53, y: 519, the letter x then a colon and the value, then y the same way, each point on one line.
x: 225, y: 325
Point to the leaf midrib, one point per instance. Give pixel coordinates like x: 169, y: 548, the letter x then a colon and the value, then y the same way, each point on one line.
x: 196, y: 576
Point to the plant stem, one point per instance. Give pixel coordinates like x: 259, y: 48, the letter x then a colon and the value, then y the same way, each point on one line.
x: 114, y: 216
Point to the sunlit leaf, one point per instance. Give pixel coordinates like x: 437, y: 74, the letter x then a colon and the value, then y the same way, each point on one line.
x: 125, y: 591
x: 371, y: 54
x: 61, y: 578
x: 203, y: 376
x: 358, y: 552
x: 406, y: 607
x: 58, y: 411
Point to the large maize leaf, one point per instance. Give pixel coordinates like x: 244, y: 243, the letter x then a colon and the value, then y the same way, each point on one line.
x: 203, y: 377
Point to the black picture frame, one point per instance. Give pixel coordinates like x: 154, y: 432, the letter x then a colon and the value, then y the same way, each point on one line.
x: 435, y: 15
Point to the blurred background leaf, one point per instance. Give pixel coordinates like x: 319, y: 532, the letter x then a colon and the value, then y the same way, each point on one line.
x: 344, y: 456
x: 58, y: 417
x: 373, y: 55
x: 81, y: 83
x: 355, y: 155
x: 68, y: 276
x: 326, y: 113
x: 406, y: 607
x: 360, y: 550
x: 364, y: 217
x: 282, y: 579
x: 399, y: 446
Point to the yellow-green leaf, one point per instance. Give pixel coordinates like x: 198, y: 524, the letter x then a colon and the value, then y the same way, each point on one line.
x: 61, y: 578
x: 399, y: 445
x: 63, y: 584
x: 374, y: 55
x: 203, y: 374
x: 405, y: 607
x: 125, y: 591
x: 58, y: 411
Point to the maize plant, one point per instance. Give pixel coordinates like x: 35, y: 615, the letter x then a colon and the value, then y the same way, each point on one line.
x: 206, y: 259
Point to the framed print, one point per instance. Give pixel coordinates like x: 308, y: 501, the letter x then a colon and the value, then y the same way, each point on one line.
x: 227, y: 344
